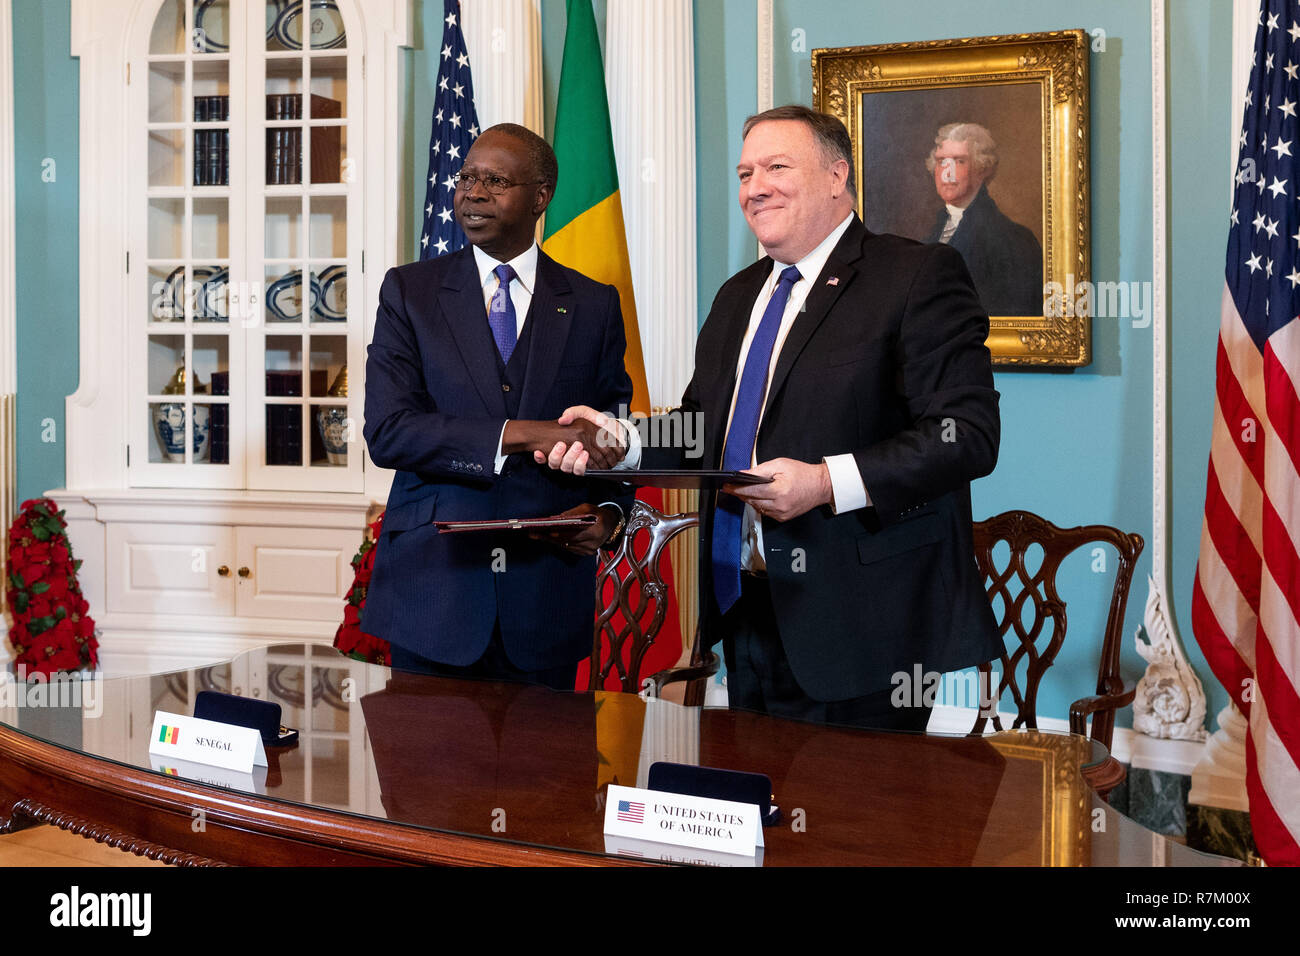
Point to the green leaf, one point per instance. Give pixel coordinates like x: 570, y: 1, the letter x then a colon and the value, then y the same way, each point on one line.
x: 40, y: 587
x: 60, y: 613
x: 21, y: 601
x: 40, y: 532
x: 39, y: 625
x: 17, y: 580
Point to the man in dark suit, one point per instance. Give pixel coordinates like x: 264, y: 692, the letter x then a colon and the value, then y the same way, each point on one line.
x: 851, y: 369
x: 1004, y: 258
x: 474, y: 356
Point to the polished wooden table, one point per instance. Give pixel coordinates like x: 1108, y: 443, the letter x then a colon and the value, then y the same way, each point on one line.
x: 395, y: 768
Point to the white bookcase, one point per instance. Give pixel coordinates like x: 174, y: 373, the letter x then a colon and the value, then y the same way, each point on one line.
x: 240, y: 204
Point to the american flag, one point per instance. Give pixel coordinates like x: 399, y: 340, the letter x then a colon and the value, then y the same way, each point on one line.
x: 1246, y: 602
x: 455, y: 127
x: 631, y: 812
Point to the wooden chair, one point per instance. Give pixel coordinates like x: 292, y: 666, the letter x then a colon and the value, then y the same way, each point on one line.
x: 631, y: 619
x: 1037, y: 643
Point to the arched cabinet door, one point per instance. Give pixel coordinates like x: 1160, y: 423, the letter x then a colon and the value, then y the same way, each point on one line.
x: 240, y: 205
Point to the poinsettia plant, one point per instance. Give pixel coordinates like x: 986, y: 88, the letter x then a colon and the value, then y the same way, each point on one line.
x: 52, y: 629
x: 349, y: 638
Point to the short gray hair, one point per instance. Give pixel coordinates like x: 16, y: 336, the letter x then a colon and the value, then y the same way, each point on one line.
x: 984, y: 152
x: 828, y: 132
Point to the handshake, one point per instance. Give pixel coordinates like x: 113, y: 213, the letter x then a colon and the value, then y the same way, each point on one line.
x: 580, y: 438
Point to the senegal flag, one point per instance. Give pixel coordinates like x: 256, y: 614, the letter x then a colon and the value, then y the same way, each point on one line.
x: 584, y: 224
x: 584, y: 231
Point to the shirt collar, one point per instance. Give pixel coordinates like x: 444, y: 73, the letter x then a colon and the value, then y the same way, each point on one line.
x: 955, y: 211
x: 524, y: 264
x: 811, y: 265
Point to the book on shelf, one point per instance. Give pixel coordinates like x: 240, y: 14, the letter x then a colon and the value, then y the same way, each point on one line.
x: 212, y: 146
x: 219, y: 422
x: 284, y: 144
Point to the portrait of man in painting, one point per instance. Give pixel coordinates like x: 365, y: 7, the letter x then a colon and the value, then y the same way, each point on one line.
x: 963, y: 166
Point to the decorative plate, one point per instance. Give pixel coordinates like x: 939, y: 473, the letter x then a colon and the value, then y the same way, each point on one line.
x: 211, y: 26
x: 284, y: 298
x: 332, y: 306
x: 210, y: 284
x: 325, y: 26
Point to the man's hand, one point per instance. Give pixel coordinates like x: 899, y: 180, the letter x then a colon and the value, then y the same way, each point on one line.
x: 797, y: 487
x: 598, y: 446
x: 584, y: 540
x: 576, y: 457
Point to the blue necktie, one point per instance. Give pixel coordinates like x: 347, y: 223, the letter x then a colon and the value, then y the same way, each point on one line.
x: 501, y: 314
x: 741, y: 435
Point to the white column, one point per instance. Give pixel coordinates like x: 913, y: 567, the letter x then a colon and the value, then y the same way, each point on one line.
x: 504, y: 38
x: 650, y: 77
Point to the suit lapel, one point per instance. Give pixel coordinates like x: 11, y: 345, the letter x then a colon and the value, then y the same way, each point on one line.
x: 461, y: 301
x: 835, y: 277
x: 550, y: 316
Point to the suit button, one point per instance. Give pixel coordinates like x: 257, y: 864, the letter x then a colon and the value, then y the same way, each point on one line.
x: 505, y: 387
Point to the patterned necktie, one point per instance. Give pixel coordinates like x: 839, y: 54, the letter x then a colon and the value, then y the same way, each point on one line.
x: 741, y: 435
x: 501, y: 313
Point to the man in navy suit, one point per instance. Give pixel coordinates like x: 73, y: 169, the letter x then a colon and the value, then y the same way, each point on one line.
x: 474, y: 357
x: 851, y: 369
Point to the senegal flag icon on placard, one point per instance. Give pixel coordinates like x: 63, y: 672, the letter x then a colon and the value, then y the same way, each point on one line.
x: 169, y: 735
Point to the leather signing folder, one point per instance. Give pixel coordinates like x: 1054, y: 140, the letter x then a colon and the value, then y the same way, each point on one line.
x: 678, y: 477
x: 515, y: 524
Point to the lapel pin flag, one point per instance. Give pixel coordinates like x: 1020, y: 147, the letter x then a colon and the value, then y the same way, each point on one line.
x: 833, y: 280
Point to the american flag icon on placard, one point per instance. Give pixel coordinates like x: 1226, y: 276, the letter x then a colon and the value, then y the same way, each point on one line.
x: 630, y: 812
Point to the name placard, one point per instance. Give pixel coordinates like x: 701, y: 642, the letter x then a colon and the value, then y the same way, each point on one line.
x: 206, y: 742
x: 721, y: 826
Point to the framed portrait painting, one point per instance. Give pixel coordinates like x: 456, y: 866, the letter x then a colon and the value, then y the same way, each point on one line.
x: 981, y: 143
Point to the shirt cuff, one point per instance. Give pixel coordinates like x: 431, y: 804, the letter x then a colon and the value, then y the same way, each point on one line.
x: 848, y: 493
x: 501, y: 459
x: 633, y: 457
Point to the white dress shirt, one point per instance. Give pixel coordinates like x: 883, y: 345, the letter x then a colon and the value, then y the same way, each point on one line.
x: 521, y: 297
x: 848, y: 493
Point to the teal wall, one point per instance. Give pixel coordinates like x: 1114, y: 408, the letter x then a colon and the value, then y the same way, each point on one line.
x: 46, y: 113
x: 1076, y: 445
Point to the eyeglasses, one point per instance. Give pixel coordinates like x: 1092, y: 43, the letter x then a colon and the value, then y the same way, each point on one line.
x: 493, y: 184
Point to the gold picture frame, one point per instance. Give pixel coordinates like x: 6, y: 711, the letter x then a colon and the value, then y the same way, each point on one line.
x: 1030, y: 92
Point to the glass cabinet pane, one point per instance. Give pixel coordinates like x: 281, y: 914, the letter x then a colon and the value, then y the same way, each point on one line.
x: 166, y: 229
x: 166, y: 157
x: 211, y: 229
x: 283, y: 366
x: 167, y: 427
x: 328, y: 153
x: 328, y: 364
x: 166, y: 291
x: 329, y: 87
x: 212, y: 26
x: 332, y: 432
x: 283, y: 298
x: 292, y: 27
x: 209, y: 294
x: 166, y: 364
x: 330, y: 286
x: 211, y: 364
x: 168, y: 35
x: 328, y: 223
x: 167, y: 91
x: 284, y: 434
x: 284, y: 228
